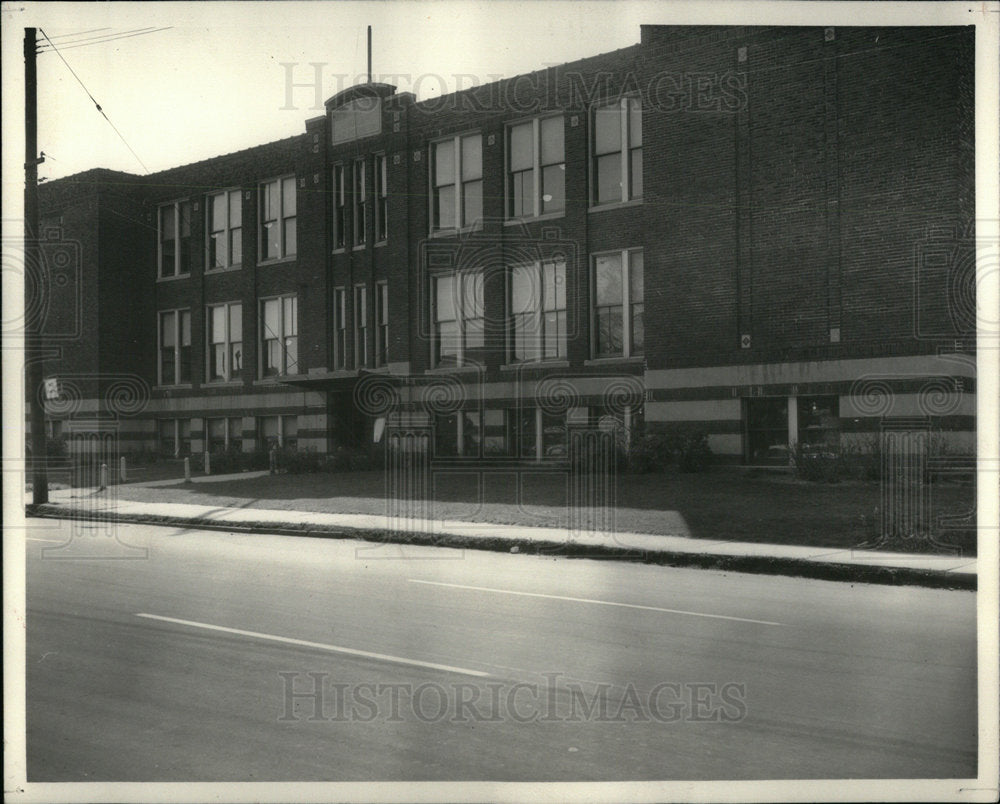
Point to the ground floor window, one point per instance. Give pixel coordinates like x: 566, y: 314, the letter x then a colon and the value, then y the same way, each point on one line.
x: 278, y: 431
x: 773, y: 425
x: 175, y: 437
x: 224, y: 434
x: 538, y: 433
x: 818, y: 422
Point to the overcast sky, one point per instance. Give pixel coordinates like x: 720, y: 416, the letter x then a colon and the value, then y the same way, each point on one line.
x: 214, y: 81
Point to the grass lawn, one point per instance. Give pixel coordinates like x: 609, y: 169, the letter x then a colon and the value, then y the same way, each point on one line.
x: 721, y: 505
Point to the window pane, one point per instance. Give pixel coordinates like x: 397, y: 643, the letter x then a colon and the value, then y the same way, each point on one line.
x: 291, y: 246
x: 168, y: 223
x: 635, y: 173
x: 472, y: 295
x: 217, y: 324
x: 444, y: 207
x: 607, y: 130
x: 552, y: 140
x: 524, y: 297
x: 235, y: 209
x: 185, y: 327
x: 522, y: 193
x: 474, y: 336
x: 635, y: 277
x: 185, y: 218
x: 638, y: 329
x: 217, y: 361
x: 168, y: 330
x: 553, y: 188
x: 521, y: 151
x: 236, y: 322
x: 634, y: 122
x: 236, y: 246
x: 446, y: 434
x: 272, y: 318
x: 609, y: 279
x: 472, y: 202
x: 609, y: 331
x: 444, y: 298
x: 447, y: 332
x: 472, y: 157
x: 444, y: 163
x: 217, y: 250
x: 235, y: 359
x: 609, y: 178
x: 271, y: 201
x: 288, y: 196
x: 217, y: 213
x: 473, y: 435
x: 291, y: 316
x: 291, y: 355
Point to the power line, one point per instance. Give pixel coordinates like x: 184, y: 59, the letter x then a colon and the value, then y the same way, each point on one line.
x: 94, y: 101
x: 79, y: 33
x: 108, y: 38
x: 82, y: 38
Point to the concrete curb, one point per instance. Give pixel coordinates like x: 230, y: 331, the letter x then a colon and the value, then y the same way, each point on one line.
x: 768, y: 565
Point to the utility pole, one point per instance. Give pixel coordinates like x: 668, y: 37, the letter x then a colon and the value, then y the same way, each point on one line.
x: 34, y: 309
x: 369, y: 54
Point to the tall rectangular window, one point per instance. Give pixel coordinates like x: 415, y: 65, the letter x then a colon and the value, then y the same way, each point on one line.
x: 225, y: 341
x: 457, y: 182
x: 616, y: 147
x: 339, y: 328
x: 175, y: 347
x: 458, y: 316
x: 537, y: 305
x: 360, y: 196
x: 339, y: 206
x: 279, y: 336
x: 536, y: 168
x: 277, y: 219
x: 381, y: 324
x: 175, y: 239
x: 224, y: 434
x: 225, y: 229
x: 618, y: 320
x: 360, y: 326
x: 381, y: 199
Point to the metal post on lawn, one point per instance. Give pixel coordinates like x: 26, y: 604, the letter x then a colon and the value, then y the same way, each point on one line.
x: 123, y: 472
x: 208, y: 462
x: 187, y: 470
x: 104, y: 477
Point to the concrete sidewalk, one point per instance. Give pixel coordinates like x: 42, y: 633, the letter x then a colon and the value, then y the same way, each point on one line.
x: 842, y: 564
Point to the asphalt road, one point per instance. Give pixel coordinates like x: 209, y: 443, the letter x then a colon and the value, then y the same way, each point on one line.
x: 197, y: 663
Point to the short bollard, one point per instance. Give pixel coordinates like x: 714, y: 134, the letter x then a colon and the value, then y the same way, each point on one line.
x: 273, y: 460
x: 208, y: 462
x: 123, y: 473
x: 187, y: 470
x: 104, y: 476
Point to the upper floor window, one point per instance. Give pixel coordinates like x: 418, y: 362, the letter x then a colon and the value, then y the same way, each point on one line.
x: 360, y: 326
x: 339, y: 206
x: 458, y: 316
x: 381, y: 199
x: 536, y: 168
x: 357, y: 118
x: 339, y: 328
x: 277, y: 219
x: 360, y: 203
x: 538, y: 311
x: 457, y: 185
x: 175, y: 239
x: 617, y: 151
x: 618, y: 304
x: 175, y: 347
x: 279, y: 329
x: 381, y: 324
x: 225, y: 341
x: 225, y: 229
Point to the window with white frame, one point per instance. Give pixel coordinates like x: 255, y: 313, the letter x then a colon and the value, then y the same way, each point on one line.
x: 537, y: 304
x: 175, y: 347
x: 381, y: 324
x: 225, y: 341
x: 381, y: 199
x: 339, y: 206
x: 360, y: 326
x: 279, y: 331
x: 360, y: 196
x: 457, y: 182
x: 536, y: 168
x: 174, y: 231
x: 339, y: 328
x: 617, y: 151
x: 458, y: 316
x: 277, y: 219
x: 618, y: 325
x: 225, y: 229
